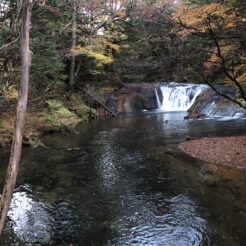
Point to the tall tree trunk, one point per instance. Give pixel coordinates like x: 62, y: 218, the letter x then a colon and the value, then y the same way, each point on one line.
x: 15, y: 155
x: 72, y: 66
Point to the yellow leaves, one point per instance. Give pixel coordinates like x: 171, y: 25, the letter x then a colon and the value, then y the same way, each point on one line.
x: 115, y: 47
x: 11, y: 93
x: 77, y: 50
x: 125, y: 46
x: 104, y: 60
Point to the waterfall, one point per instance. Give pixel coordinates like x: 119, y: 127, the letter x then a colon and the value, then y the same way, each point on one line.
x: 157, y: 99
x: 179, y: 97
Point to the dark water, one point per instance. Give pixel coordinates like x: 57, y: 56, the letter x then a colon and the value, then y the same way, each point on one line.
x: 122, y: 182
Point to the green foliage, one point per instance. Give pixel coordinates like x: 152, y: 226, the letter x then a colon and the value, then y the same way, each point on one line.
x: 200, y: 2
x: 9, y: 58
x: 59, y: 108
x: 141, y: 42
x: 151, y: 44
x: 6, y: 35
x: 58, y: 116
x: 47, y: 63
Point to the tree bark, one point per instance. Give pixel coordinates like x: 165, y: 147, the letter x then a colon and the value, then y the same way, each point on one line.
x: 72, y: 65
x: 15, y: 155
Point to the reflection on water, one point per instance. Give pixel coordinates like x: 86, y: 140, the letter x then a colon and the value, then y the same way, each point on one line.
x: 173, y: 124
x: 117, y: 183
x: 29, y: 219
x: 107, y: 158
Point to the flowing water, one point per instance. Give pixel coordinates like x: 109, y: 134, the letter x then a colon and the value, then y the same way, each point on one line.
x: 159, y: 104
x: 175, y: 97
x: 178, y: 97
x: 123, y: 182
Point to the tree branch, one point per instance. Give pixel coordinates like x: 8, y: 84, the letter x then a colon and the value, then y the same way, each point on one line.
x: 210, y: 84
x: 9, y: 44
x: 223, y: 64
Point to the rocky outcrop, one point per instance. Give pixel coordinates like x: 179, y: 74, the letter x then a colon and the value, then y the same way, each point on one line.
x: 210, y: 104
x: 132, y: 98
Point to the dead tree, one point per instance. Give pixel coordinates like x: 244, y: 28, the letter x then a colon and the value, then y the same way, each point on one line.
x: 15, y: 155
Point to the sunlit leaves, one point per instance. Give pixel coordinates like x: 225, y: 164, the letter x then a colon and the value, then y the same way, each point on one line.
x: 224, y: 27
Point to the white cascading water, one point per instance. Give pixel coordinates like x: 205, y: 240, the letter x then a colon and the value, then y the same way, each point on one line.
x: 179, y: 97
x: 157, y: 99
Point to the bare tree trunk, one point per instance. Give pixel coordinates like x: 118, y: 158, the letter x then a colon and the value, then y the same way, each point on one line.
x: 72, y: 66
x: 15, y: 155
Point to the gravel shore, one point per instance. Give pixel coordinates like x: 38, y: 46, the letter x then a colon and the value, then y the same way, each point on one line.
x: 230, y: 151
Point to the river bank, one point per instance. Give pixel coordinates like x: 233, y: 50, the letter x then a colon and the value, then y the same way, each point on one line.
x: 229, y: 151
x: 55, y: 115
x: 62, y: 112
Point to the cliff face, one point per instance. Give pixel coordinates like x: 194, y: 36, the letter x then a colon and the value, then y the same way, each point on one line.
x: 133, y: 98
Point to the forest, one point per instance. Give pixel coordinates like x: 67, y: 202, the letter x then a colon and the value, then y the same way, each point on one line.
x: 139, y: 92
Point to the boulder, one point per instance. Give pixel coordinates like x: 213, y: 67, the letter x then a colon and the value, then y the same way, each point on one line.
x: 210, y: 104
x: 132, y: 98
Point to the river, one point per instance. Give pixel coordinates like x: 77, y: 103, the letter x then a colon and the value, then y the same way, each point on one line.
x: 123, y: 182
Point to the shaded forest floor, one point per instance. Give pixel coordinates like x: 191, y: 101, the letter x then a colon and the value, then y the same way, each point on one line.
x: 230, y: 151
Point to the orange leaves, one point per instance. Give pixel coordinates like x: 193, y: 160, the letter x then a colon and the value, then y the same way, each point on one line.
x: 196, y: 15
x: 120, y: 14
x: 214, y: 58
x: 214, y: 15
x: 230, y: 24
x: 212, y: 63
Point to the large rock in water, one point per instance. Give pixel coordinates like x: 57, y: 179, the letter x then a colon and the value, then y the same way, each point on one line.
x: 133, y: 98
x: 210, y: 104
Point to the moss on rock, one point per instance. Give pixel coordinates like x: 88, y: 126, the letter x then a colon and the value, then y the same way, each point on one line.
x: 78, y: 106
x: 58, y: 117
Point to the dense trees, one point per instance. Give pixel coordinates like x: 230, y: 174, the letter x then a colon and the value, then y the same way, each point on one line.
x: 152, y: 44
x: 79, y: 32
x: 79, y: 41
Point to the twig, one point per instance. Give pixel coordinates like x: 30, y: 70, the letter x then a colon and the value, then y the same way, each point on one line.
x: 6, y: 45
